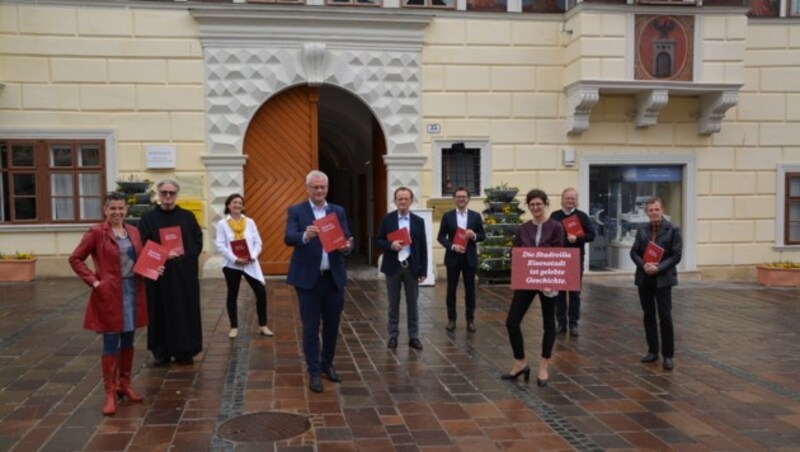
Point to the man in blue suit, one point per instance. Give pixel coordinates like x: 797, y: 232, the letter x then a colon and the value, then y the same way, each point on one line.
x: 318, y: 277
x: 405, y: 265
x: 460, y: 259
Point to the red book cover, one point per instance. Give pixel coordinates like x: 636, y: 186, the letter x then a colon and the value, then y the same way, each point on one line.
x: 240, y: 249
x: 573, y: 226
x: 460, y: 238
x: 153, y: 256
x: 401, y: 235
x: 653, y: 253
x: 172, y: 239
x: 330, y: 233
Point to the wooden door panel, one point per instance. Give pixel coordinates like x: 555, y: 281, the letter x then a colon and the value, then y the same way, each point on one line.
x: 281, y: 148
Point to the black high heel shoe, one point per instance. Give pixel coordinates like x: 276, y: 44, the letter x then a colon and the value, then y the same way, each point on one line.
x: 542, y: 382
x: 525, y: 371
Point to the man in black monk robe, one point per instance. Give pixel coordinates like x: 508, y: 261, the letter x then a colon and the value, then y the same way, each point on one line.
x: 173, y: 302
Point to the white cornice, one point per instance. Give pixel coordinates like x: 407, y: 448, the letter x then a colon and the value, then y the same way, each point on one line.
x: 294, y: 26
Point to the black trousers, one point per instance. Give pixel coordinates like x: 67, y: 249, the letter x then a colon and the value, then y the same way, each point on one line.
x: 568, y: 306
x: 233, y: 279
x: 516, y: 312
x: 655, y: 300
x: 453, y: 272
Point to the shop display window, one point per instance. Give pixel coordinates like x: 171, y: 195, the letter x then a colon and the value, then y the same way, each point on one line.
x: 617, y: 196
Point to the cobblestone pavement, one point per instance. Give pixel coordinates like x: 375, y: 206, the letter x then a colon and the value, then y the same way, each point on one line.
x: 735, y: 386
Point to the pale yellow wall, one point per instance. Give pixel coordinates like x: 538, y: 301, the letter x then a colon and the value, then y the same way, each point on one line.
x: 138, y: 72
x: 736, y: 168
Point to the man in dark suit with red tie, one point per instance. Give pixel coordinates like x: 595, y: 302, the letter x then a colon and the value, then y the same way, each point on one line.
x: 318, y: 277
x: 405, y: 265
x: 460, y: 259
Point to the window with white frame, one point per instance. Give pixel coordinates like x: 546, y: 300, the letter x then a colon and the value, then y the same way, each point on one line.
x: 787, y: 206
x: 461, y: 164
x: 51, y: 181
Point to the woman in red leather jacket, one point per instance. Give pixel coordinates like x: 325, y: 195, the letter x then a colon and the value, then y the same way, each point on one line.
x: 117, y: 303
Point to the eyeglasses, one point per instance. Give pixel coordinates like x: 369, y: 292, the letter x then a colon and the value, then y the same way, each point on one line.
x: 167, y: 193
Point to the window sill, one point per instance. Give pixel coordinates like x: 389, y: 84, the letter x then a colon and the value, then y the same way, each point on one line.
x: 65, y: 227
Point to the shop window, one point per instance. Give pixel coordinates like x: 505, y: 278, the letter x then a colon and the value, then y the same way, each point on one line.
x: 617, y: 206
x: 461, y: 167
x: 792, y: 209
x: 443, y: 4
x: 51, y: 181
x: 794, y: 8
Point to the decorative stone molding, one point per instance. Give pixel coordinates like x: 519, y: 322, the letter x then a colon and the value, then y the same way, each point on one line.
x: 251, y: 55
x: 580, y: 101
x: 648, y: 106
x: 651, y: 98
x: 314, y: 62
x: 225, y: 176
x: 712, y: 109
x: 404, y: 171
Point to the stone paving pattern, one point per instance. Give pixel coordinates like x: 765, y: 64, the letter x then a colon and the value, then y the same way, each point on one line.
x: 736, y: 383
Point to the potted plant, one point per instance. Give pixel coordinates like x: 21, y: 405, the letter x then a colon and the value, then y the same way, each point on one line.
x: 779, y: 273
x: 501, y: 219
x: 17, y: 267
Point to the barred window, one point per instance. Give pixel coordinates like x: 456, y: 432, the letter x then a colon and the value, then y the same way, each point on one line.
x: 461, y: 167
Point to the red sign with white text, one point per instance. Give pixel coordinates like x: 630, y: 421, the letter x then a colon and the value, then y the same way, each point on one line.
x: 545, y: 268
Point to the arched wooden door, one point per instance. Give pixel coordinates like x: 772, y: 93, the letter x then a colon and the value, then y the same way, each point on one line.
x: 281, y: 148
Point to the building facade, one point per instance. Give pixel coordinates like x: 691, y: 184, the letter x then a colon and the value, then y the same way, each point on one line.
x: 696, y: 103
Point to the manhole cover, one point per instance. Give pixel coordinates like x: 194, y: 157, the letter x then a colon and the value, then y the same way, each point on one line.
x: 264, y: 427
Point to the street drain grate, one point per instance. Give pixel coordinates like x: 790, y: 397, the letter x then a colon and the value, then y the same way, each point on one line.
x: 267, y: 426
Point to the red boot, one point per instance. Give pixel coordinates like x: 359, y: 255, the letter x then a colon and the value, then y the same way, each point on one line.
x: 124, y: 388
x: 110, y: 365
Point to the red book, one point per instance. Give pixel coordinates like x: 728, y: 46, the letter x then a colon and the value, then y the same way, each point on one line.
x: 172, y: 239
x: 330, y: 233
x: 240, y: 249
x: 153, y: 256
x: 653, y: 253
x: 573, y: 226
x: 460, y: 238
x: 401, y: 235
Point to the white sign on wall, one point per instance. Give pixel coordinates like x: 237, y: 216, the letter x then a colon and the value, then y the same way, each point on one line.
x: 434, y: 128
x: 160, y: 156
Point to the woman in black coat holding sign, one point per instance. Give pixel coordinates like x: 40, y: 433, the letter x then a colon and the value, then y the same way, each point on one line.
x: 540, y: 232
x: 655, y: 280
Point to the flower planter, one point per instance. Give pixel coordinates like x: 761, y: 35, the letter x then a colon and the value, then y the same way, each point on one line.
x: 17, y: 270
x: 774, y: 276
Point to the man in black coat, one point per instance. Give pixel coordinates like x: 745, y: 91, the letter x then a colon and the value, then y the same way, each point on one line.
x: 461, y: 259
x: 655, y: 276
x: 404, y: 264
x: 569, y: 210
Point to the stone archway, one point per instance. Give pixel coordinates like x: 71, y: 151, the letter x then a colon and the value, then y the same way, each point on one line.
x: 376, y: 56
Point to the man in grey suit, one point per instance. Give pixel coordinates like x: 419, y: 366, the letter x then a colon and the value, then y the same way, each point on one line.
x: 459, y: 259
x: 404, y: 264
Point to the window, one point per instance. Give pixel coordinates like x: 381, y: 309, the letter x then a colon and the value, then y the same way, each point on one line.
x: 443, y: 4
x: 792, y: 209
x: 461, y: 167
x: 547, y: 6
x: 51, y: 181
x: 355, y: 2
x: 487, y: 5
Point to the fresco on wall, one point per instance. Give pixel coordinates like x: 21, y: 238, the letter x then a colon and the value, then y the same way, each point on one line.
x: 664, y: 48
